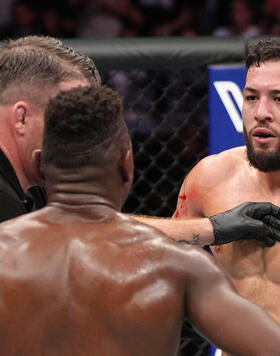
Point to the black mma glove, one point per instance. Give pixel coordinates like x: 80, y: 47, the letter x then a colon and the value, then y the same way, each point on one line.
x: 259, y: 221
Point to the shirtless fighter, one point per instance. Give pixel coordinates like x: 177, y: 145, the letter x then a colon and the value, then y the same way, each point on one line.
x: 250, y: 173
x: 79, y: 278
x: 220, y: 182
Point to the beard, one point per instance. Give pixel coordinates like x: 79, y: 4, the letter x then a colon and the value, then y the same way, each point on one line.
x: 265, y: 161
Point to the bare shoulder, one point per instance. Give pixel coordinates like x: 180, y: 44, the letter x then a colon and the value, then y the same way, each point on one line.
x: 9, y: 228
x: 14, y: 231
x: 191, y: 262
x: 181, y: 258
x: 217, y: 167
x: 136, y: 231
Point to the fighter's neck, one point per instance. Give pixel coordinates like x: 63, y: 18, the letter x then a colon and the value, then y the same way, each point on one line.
x: 87, y: 210
x: 76, y: 195
x: 84, y: 186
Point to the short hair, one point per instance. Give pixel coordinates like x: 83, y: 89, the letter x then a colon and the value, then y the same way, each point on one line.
x: 82, y: 126
x: 264, y: 50
x: 42, y: 61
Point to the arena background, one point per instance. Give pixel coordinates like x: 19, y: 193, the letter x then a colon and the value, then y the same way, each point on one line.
x: 164, y: 82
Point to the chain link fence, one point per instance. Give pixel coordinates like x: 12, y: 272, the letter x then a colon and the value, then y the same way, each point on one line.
x: 166, y: 112
x: 164, y: 83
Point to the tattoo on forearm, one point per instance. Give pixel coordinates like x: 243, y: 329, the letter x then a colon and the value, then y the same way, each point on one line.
x: 185, y: 241
x: 195, y: 239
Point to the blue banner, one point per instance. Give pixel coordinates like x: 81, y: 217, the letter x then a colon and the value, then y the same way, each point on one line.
x: 225, y: 101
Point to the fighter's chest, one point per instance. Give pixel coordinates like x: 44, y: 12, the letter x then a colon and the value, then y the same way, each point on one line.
x: 262, y: 291
x: 244, y: 258
x: 230, y: 193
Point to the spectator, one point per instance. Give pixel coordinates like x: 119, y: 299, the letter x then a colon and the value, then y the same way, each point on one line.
x: 109, y: 19
x: 5, y: 11
x: 180, y: 24
x: 25, y: 21
x: 240, y: 20
x: 270, y: 21
x: 57, y: 21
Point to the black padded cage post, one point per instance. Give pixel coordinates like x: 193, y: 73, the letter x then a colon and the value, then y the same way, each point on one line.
x: 164, y: 83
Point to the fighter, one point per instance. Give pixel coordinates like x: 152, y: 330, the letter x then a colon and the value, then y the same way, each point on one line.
x: 78, y: 277
x: 248, y: 173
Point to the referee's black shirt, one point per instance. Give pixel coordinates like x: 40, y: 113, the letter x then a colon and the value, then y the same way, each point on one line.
x: 13, y: 200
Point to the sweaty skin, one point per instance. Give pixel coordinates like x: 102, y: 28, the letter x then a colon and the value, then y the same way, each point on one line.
x: 86, y: 280
x: 226, y: 180
x: 79, y: 278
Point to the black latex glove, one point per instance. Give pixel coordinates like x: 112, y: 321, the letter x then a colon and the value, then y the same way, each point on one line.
x: 259, y: 221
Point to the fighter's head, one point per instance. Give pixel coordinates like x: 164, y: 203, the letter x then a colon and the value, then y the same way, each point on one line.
x: 86, y: 137
x: 261, y: 107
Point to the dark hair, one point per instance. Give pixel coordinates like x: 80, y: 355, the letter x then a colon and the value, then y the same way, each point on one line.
x: 82, y: 125
x: 262, y: 51
x: 42, y: 62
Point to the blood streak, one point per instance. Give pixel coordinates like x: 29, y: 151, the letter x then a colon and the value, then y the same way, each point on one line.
x: 182, y: 206
x: 184, y: 200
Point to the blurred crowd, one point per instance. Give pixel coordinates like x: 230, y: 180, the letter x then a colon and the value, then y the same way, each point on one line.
x: 131, y: 18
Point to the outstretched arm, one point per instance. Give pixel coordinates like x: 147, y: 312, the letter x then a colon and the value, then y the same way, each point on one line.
x: 196, y: 231
x: 260, y: 221
x: 226, y: 319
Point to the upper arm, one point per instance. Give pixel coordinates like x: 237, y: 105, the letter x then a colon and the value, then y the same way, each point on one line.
x: 189, y: 198
x: 225, y: 318
x: 207, y: 176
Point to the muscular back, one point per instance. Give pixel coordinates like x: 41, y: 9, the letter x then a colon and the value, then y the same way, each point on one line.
x: 89, y: 281
x: 72, y: 286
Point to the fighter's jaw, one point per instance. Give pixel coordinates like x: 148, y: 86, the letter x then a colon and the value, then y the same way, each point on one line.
x: 265, y: 150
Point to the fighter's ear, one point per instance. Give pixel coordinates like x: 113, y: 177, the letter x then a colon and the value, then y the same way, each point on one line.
x: 36, y: 159
x: 127, y: 166
x: 19, y: 115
